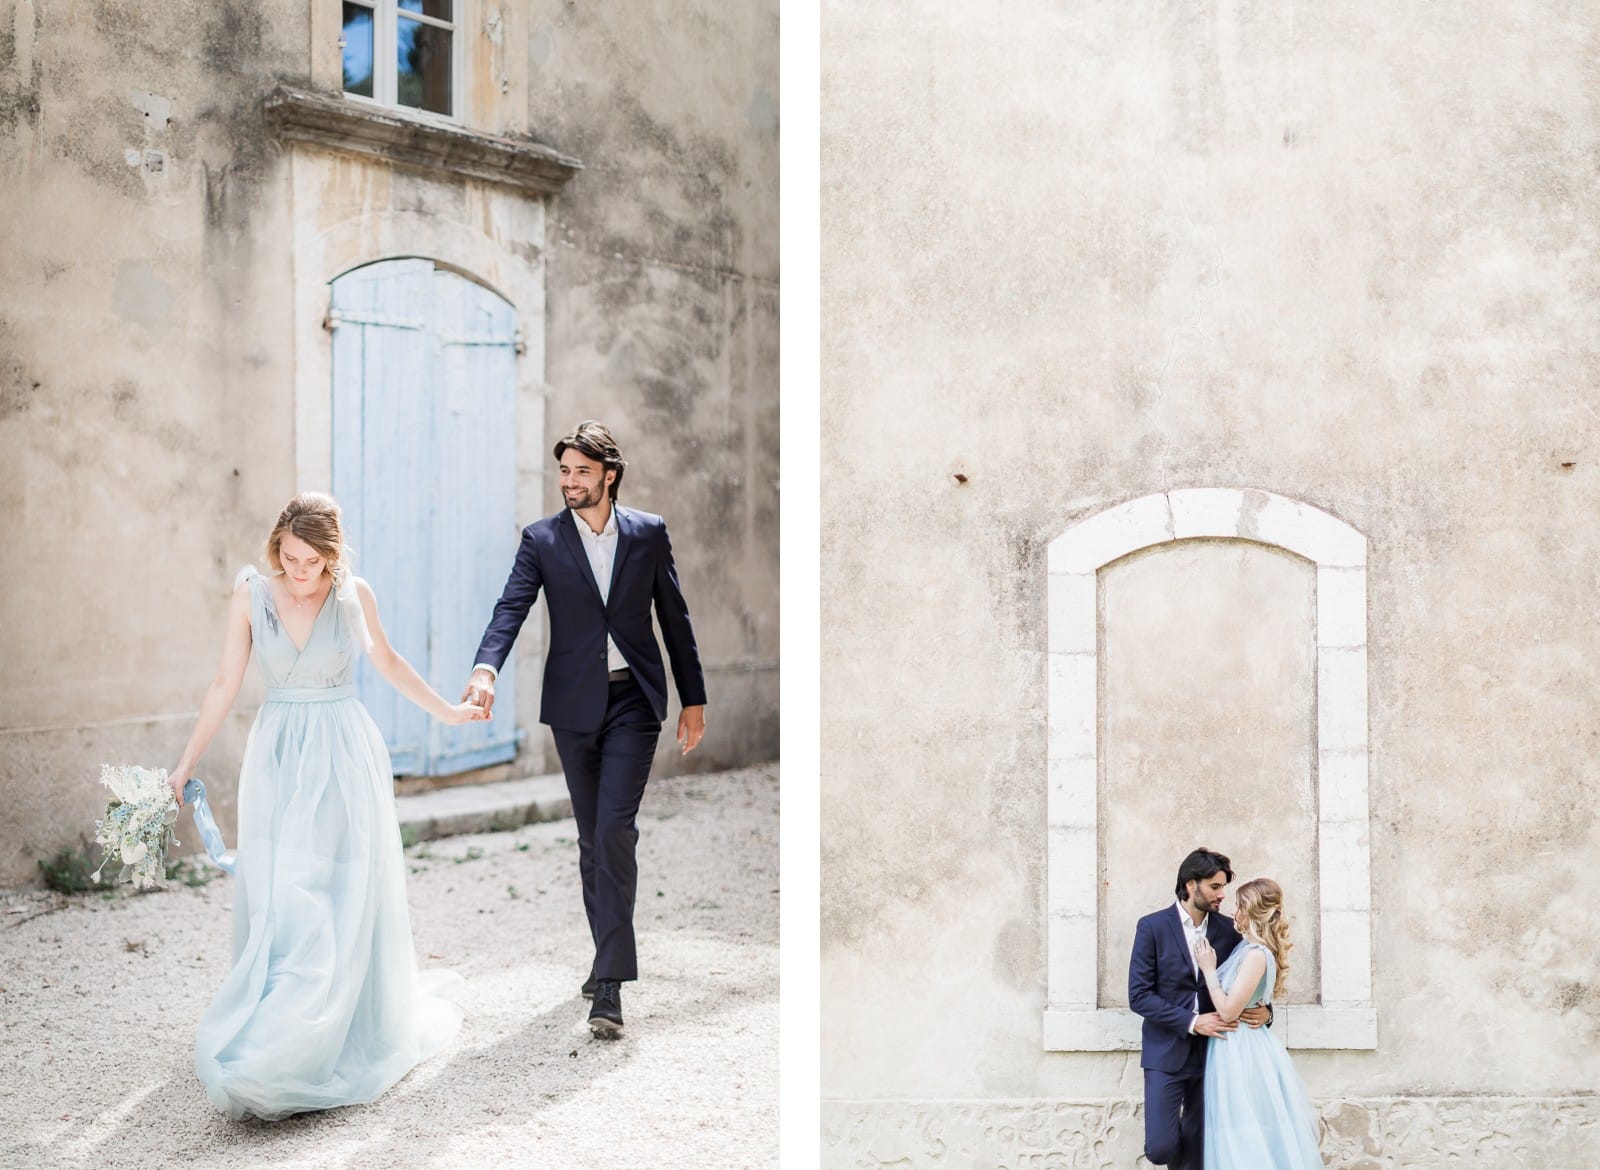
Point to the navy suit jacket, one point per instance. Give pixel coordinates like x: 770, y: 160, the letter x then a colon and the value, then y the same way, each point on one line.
x: 1163, y: 983
x: 552, y: 557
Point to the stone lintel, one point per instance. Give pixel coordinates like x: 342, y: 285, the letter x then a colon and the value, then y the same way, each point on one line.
x: 336, y: 122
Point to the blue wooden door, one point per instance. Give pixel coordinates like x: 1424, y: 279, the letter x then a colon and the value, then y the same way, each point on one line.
x: 424, y: 465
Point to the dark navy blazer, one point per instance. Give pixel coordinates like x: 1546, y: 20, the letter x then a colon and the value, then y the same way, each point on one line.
x: 552, y: 557
x: 1163, y: 983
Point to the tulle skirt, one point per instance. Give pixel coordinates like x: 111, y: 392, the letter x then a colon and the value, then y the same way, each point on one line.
x: 324, y: 1005
x: 1258, y: 1116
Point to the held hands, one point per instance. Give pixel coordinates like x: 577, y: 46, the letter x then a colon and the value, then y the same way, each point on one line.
x: 1205, y: 956
x: 465, y: 713
x: 480, y: 692
x: 691, y: 728
x: 1211, y: 1024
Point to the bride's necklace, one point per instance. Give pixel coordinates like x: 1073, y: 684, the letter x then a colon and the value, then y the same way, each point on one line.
x: 301, y: 603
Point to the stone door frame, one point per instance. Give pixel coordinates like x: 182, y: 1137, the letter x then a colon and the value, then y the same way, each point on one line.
x: 363, y: 189
x: 1345, y: 1017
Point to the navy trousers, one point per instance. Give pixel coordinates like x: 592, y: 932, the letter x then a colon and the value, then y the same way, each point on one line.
x: 606, y: 772
x: 1175, y: 1112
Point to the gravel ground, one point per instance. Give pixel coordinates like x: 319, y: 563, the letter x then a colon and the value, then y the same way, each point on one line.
x: 99, y: 997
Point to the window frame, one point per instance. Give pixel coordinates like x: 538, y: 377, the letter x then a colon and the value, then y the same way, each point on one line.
x: 385, y: 57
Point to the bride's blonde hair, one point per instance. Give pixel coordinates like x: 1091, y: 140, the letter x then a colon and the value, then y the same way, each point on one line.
x: 1260, y: 908
x: 314, y: 518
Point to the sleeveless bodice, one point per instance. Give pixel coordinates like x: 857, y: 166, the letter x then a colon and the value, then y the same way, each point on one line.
x: 329, y: 656
x: 1228, y: 973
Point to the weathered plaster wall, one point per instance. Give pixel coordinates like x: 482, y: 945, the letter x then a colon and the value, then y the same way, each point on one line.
x: 1090, y: 252
x: 148, y: 337
x: 142, y: 375
x: 663, y: 297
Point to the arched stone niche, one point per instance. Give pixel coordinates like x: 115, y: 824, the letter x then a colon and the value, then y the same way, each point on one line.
x: 1074, y: 1019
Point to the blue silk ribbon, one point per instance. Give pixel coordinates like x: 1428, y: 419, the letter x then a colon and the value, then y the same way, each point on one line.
x: 194, y: 793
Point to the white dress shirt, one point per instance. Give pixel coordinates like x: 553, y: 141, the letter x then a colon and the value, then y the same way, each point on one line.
x: 601, y: 549
x: 1192, y: 934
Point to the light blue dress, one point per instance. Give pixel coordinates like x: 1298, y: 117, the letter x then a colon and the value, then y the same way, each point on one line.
x: 1258, y: 1116
x: 324, y: 1005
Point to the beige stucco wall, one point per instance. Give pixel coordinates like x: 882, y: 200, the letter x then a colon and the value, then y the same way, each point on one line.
x: 663, y: 304
x: 1086, y: 253
x: 144, y: 325
x: 160, y: 252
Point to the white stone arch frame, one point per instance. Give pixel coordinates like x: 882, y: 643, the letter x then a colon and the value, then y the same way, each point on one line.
x: 493, y: 260
x: 1345, y: 1017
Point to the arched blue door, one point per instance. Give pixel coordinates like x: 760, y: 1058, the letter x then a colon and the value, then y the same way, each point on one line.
x: 424, y: 465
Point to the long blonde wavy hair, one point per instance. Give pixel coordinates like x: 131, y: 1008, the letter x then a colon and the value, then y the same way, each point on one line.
x: 1260, y: 909
x: 314, y: 518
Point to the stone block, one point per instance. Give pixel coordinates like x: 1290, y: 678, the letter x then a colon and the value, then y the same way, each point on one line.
x: 1112, y: 534
x: 1098, y: 1030
x: 1342, y: 785
x: 1072, y: 948
x: 1346, y: 958
x: 1074, y: 683
x: 1342, y: 699
x: 1072, y: 874
x: 1205, y: 512
x: 483, y: 808
x: 1345, y: 878
x: 1341, y: 606
x: 1302, y: 529
x: 1315, y: 1027
x: 1073, y: 625
x: 1072, y: 800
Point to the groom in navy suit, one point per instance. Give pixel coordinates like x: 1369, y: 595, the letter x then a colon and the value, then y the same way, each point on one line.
x: 602, y: 568
x: 1165, y: 986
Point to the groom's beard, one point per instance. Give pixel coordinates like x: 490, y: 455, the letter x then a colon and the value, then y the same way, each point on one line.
x: 581, y: 498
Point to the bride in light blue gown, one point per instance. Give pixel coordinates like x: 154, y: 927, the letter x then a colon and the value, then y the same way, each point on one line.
x: 324, y: 1005
x: 1258, y: 1116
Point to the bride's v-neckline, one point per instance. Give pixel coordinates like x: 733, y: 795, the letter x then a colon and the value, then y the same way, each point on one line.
x: 272, y: 599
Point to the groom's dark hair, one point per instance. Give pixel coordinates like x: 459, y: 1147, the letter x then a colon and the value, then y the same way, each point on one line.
x: 1200, y: 865
x: 593, y: 440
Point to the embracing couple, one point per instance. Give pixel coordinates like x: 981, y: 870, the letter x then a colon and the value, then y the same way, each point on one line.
x: 1217, y: 1097
x: 324, y: 1005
